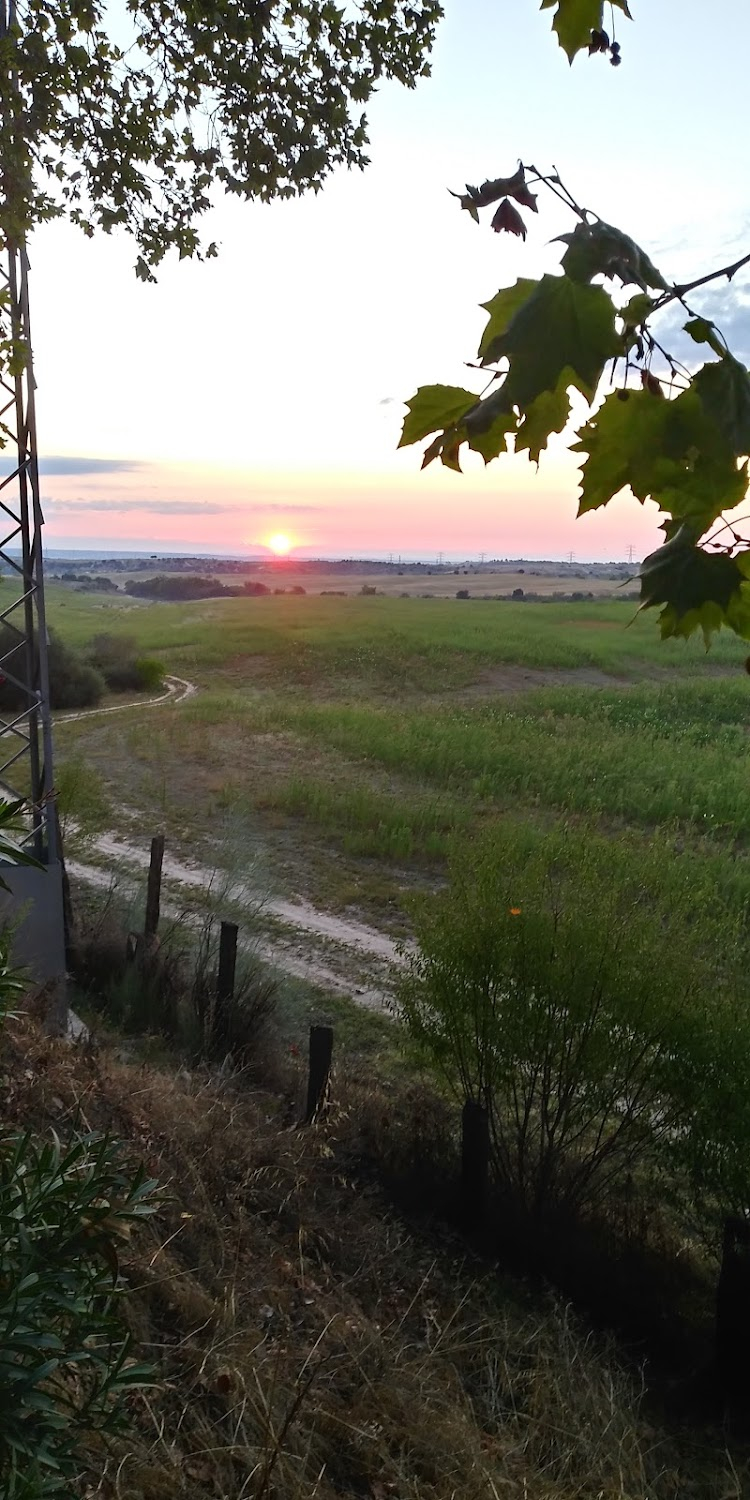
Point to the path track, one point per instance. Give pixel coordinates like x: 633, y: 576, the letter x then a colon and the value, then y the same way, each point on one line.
x: 368, y: 947
x: 178, y: 689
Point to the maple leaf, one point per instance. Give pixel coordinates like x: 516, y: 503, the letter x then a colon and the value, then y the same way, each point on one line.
x: 508, y: 218
x: 495, y: 188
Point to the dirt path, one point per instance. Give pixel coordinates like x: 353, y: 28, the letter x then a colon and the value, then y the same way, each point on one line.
x: 178, y: 689
x: 301, y: 915
x: 356, y: 946
x: 349, y: 945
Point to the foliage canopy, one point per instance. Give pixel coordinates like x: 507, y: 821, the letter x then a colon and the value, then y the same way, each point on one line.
x: 674, y: 432
x: 132, y: 119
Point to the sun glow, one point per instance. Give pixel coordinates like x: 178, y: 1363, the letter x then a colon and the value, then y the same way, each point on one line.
x: 280, y: 543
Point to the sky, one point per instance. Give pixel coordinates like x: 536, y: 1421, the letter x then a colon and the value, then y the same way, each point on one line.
x: 263, y: 392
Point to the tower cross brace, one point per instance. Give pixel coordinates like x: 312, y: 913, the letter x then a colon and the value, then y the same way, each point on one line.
x: 26, y: 727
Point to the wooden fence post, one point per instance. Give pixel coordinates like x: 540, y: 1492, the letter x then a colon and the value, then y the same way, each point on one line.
x: 733, y: 1315
x: 225, y: 983
x: 153, y: 895
x: 321, y: 1055
x: 475, y: 1161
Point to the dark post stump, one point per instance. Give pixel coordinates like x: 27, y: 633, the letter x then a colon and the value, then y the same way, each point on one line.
x: 321, y: 1056
x: 475, y: 1161
x: 153, y: 895
x: 225, y: 983
x: 733, y: 1315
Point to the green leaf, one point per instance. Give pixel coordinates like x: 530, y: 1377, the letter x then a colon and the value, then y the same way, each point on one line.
x: 637, y: 310
x: 668, y: 451
x: 599, y: 249
x: 574, y: 22
x: 703, y: 331
x: 724, y: 390
x: 624, y: 444
x: 576, y: 19
x: 698, y: 590
x: 446, y: 447
x: 502, y: 308
x: 547, y: 414
x: 561, y: 326
x: 434, y: 407
x: 488, y: 425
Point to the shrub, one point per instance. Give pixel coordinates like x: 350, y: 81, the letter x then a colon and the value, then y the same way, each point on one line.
x: 150, y: 672
x: 73, y: 682
x: 116, y: 658
x: 65, y: 1361
x: 248, y: 1014
x: 601, y: 1037
x: 170, y: 990
x: 462, y: 593
x: 81, y: 795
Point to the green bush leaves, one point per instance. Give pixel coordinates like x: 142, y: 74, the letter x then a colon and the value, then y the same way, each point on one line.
x: 562, y: 983
x: 677, y: 437
x: 65, y: 1356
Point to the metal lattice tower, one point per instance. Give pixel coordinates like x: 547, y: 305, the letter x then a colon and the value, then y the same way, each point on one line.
x: 25, y: 730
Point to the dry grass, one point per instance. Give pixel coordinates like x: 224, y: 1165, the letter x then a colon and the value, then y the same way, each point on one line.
x: 309, y: 1344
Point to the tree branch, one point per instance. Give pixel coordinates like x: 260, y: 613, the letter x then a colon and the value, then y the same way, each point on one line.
x: 678, y: 292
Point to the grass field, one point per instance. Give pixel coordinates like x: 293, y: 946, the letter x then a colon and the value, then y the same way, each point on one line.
x: 340, y: 743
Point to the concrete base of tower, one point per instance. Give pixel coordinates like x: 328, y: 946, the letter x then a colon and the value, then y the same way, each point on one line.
x: 32, y: 910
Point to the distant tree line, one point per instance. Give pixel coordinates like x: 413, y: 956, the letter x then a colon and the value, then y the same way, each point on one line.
x: 193, y: 586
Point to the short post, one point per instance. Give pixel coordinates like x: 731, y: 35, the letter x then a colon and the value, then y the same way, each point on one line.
x: 475, y: 1161
x: 733, y: 1315
x: 321, y: 1056
x: 153, y: 895
x: 225, y: 983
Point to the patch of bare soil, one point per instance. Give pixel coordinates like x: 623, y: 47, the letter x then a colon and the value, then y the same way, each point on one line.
x: 509, y: 678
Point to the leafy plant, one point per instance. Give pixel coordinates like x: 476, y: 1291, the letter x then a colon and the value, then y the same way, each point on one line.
x: 245, y: 1017
x: 123, y: 667
x: 74, y: 682
x: 132, y: 120
x: 65, y: 1357
x: 13, y: 829
x: 674, y: 433
x: 550, y: 987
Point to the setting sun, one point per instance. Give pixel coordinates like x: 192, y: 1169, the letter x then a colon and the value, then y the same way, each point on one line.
x: 280, y: 543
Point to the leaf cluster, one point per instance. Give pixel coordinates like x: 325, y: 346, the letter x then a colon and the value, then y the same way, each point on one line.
x: 65, y: 1357
x: 579, y: 24
x: 260, y: 97
x: 677, y: 436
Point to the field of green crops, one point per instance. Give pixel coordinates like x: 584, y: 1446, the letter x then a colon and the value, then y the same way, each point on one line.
x: 344, y: 742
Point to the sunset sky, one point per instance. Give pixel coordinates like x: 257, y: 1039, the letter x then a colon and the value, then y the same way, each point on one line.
x: 263, y: 392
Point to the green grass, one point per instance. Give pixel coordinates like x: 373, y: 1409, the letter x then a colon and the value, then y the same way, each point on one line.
x: 369, y: 823
x: 373, y: 638
x: 351, y: 738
